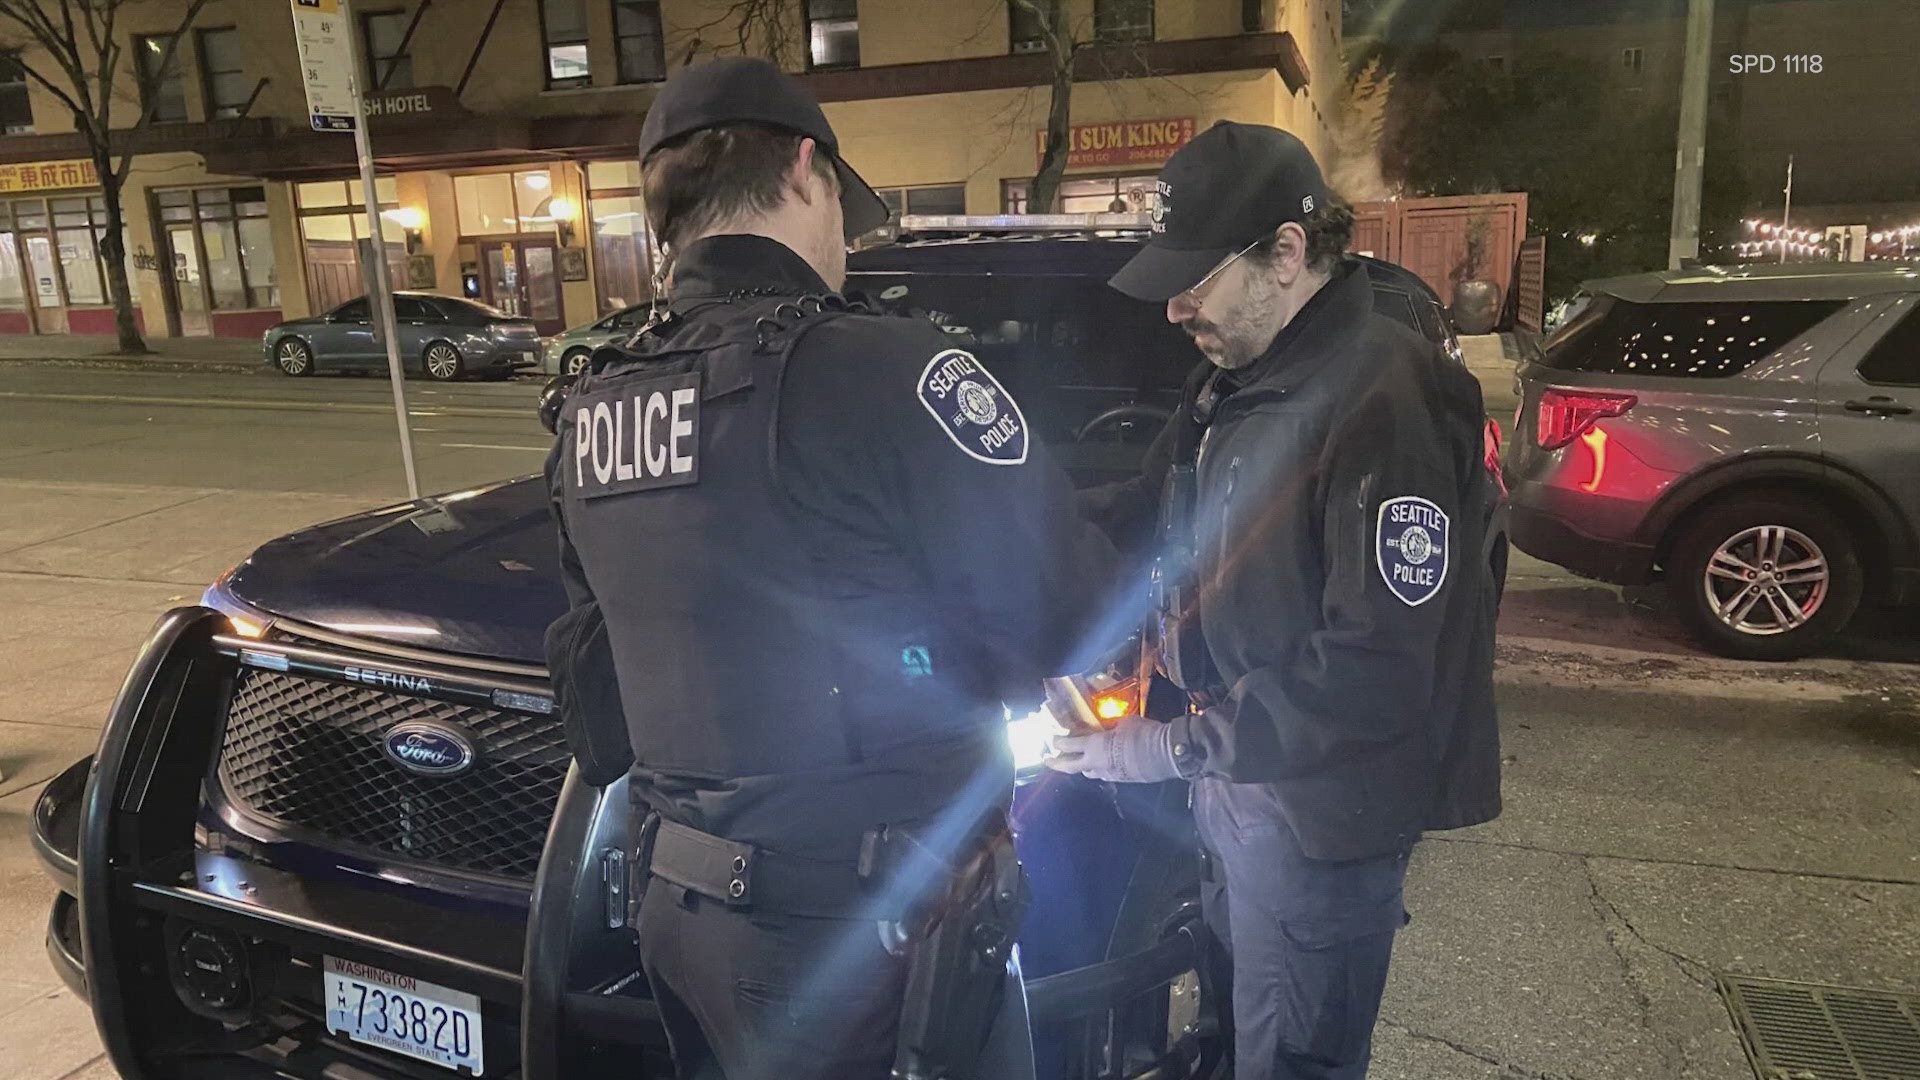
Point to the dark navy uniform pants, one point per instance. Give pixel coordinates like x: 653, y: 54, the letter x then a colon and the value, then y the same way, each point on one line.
x: 752, y: 996
x: 1309, y: 939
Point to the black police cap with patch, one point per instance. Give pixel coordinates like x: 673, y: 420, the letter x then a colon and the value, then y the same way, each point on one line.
x: 737, y: 88
x: 1232, y: 185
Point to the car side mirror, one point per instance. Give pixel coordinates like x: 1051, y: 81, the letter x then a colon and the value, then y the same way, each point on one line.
x: 552, y: 397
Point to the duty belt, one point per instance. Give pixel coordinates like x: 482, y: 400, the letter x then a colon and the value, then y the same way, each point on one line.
x: 889, y: 881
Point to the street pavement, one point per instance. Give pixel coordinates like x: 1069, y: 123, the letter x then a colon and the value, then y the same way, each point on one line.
x: 1670, y: 817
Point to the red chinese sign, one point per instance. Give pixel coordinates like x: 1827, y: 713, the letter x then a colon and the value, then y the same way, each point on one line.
x: 1128, y: 142
x: 47, y: 176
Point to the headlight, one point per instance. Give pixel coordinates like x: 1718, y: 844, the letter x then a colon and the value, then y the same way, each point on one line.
x: 1031, y: 738
x: 247, y: 621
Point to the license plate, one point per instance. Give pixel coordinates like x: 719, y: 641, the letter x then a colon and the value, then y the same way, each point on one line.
x: 403, y: 1014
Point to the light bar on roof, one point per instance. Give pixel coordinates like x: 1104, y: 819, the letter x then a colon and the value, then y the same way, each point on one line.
x: 966, y: 223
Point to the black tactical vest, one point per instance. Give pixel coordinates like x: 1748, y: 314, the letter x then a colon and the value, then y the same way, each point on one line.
x: 777, y: 689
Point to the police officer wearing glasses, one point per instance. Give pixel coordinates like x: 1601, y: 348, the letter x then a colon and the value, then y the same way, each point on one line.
x: 1325, y: 599
x: 817, y: 549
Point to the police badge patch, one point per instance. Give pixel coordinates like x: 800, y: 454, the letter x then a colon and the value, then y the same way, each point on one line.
x: 1410, y: 545
x: 973, y: 409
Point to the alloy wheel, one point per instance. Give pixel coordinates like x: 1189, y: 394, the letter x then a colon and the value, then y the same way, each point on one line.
x: 443, y: 362
x: 577, y: 363
x: 293, y: 357
x: 1766, y: 580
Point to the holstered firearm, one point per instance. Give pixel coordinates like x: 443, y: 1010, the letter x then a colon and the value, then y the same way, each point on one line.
x: 957, y: 964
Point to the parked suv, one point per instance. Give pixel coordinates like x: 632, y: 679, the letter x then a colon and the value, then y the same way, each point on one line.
x: 1747, y: 434
x: 333, y: 828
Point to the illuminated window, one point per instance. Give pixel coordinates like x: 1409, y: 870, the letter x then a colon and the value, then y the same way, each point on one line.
x: 622, y: 246
x: 564, y: 23
x: 1088, y: 195
x: 506, y: 202
x: 833, y: 33
x: 165, y: 90
x: 333, y: 219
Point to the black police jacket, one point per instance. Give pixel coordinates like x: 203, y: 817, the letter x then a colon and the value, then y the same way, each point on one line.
x: 827, y: 551
x: 1344, y: 592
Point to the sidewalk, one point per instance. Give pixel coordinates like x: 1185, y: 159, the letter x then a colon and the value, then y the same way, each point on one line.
x: 170, y: 354
x: 1492, y: 359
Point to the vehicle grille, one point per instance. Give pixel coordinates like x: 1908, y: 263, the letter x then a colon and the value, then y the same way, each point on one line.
x: 307, y: 753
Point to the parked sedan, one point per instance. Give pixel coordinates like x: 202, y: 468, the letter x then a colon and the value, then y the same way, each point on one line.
x: 566, y: 353
x: 440, y: 336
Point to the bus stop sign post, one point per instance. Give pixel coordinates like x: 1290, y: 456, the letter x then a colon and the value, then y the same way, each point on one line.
x: 324, y: 30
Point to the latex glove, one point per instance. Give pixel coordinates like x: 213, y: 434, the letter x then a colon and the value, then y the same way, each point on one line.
x: 1134, y: 751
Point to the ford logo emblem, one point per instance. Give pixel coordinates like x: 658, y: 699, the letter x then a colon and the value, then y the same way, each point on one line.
x: 429, y: 748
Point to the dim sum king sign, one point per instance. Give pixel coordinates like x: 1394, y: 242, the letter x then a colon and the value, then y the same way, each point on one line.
x: 1127, y: 142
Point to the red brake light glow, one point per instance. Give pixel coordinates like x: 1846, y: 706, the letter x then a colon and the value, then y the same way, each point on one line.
x: 1565, y: 415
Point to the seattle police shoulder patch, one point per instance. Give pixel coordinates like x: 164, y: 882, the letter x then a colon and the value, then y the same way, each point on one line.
x: 1410, y: 546
x: 973, y: 409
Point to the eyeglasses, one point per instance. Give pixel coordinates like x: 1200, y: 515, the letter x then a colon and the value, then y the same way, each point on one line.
x: 1197, y: 293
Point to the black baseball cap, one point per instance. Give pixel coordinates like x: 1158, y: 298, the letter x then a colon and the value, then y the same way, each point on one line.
x: 735, y: 88
x: 1232, y: 185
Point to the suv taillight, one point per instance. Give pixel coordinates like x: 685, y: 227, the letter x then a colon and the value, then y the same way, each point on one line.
x: 1565, y: 415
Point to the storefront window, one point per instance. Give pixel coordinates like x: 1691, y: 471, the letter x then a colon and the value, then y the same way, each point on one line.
x: 494, y: 203
x: 13, y: 283
x: 207, y: 235
x: 332, y: 222
x: 622, y: 248
x: 1088, y: 195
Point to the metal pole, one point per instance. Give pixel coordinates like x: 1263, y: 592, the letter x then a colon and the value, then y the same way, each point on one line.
x: 1786, y: 216
x: 381, y: 302
x: 1690, y: 157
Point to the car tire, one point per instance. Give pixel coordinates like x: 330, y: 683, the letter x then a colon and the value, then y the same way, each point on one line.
x: 442, y: 362
x: 574, y: 362
x: 292, y: 357
x: 1722, y: 576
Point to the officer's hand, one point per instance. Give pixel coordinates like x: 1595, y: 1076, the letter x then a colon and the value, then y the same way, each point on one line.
x: 1134, y: 751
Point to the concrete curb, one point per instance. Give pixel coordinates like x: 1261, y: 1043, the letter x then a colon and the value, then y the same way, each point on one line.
x: 140, y: 363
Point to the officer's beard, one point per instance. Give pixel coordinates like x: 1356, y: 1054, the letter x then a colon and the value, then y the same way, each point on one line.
x: 1244, y: 327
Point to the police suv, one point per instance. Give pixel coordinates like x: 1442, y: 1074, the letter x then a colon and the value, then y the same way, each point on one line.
x: 333, y: 827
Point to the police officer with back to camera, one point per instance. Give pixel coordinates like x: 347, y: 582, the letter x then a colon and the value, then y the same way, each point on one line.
x: 1325, y: 593
x: 820, y: 548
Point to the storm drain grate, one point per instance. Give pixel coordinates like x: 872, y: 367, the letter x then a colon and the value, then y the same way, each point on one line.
x: 1803, y: 1031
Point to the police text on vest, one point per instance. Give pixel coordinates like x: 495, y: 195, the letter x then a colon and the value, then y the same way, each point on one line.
x: 636, y: 435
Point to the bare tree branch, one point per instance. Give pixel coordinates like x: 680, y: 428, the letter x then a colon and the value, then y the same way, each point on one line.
x: 52, y: 88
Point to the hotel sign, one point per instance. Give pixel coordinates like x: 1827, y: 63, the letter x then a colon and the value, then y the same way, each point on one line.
x: 47, y: 176
x: 1127, y: 142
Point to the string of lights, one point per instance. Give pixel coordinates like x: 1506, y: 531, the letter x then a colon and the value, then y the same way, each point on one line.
x: 1769, y: 238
